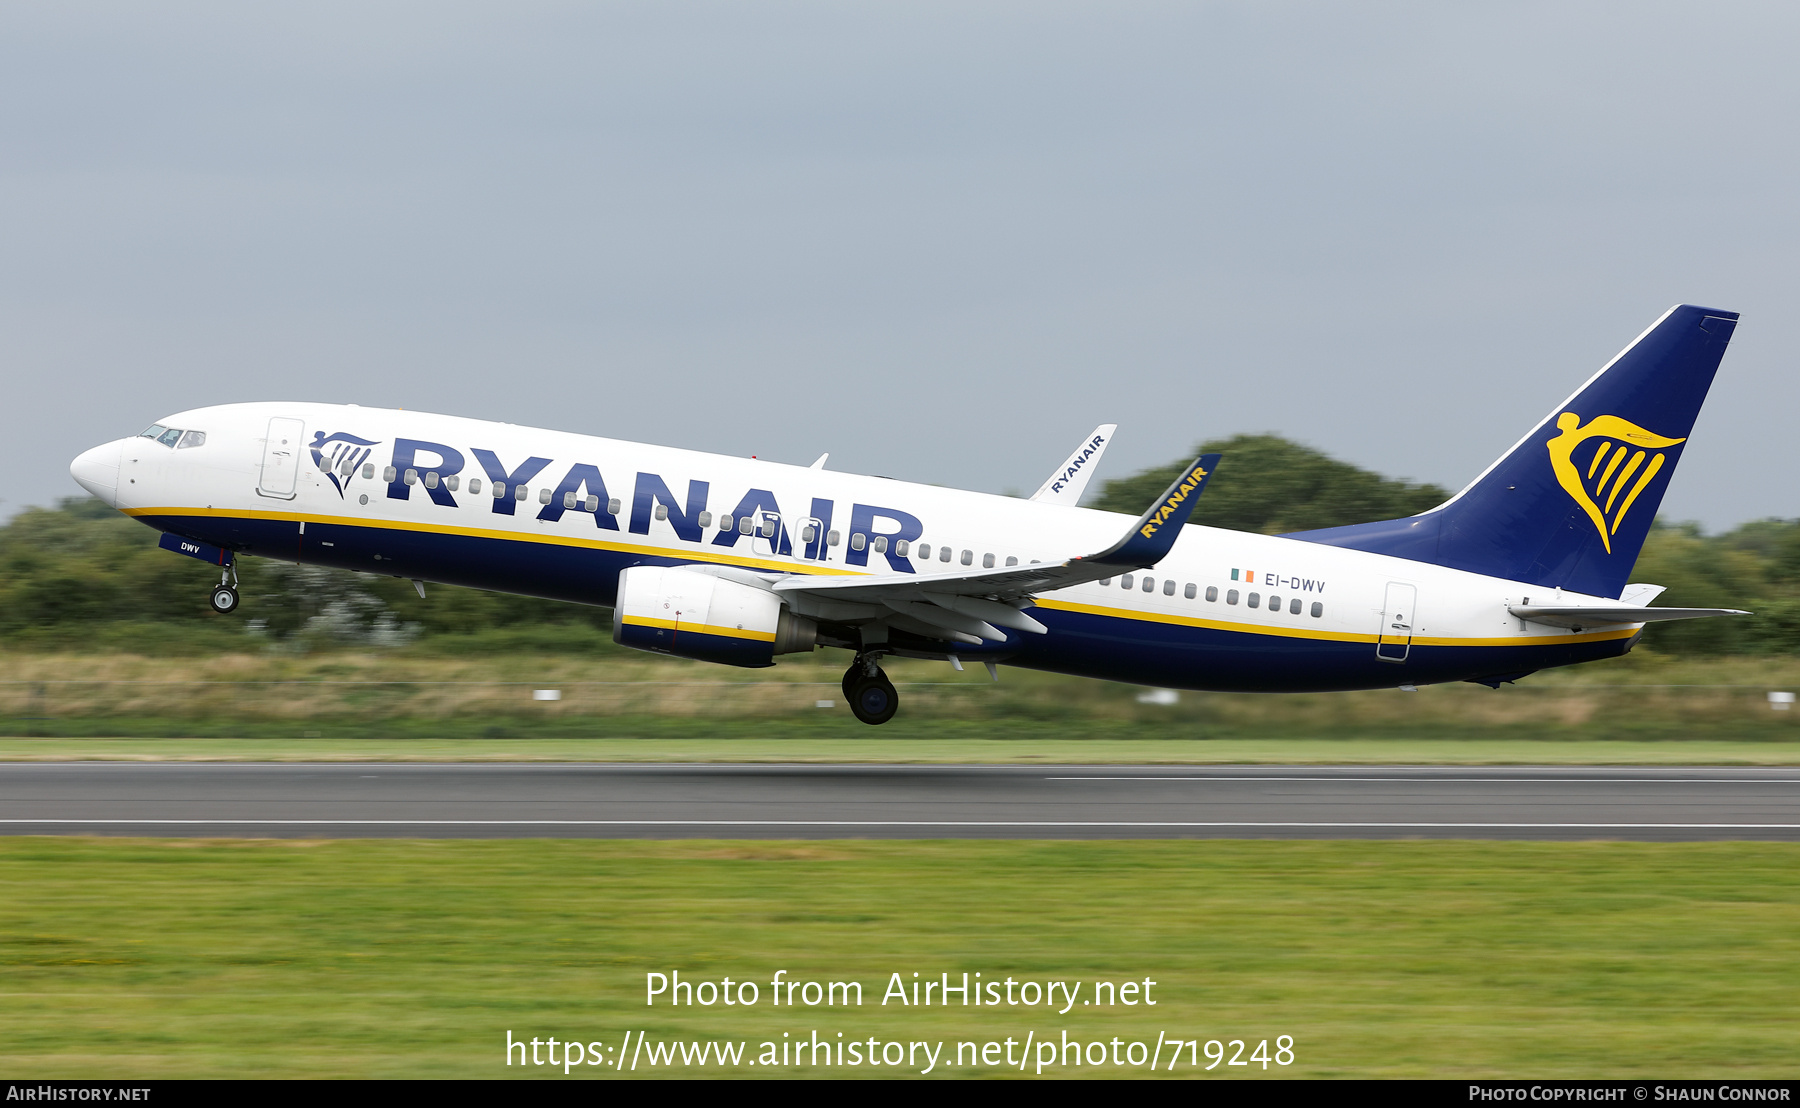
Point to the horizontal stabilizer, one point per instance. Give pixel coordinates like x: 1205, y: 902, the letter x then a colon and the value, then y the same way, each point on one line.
x: 1582, y: 617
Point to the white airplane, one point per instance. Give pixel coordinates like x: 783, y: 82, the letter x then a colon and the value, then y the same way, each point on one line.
x: 738, y: 561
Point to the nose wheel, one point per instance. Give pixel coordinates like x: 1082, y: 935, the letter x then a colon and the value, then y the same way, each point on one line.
x: 225, y: 595
x: 871, y: 695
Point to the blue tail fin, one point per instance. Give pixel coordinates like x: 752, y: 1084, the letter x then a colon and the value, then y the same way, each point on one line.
x: 1569, y: 506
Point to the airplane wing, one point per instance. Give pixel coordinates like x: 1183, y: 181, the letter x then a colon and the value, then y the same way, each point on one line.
x: 1583, y: 617
x: 965, y: 606
x: 1070, y: 480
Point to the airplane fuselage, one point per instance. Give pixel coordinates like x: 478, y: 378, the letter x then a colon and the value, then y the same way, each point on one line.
x: 413, y: 495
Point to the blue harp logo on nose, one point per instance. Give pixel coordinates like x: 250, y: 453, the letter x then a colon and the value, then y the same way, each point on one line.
x: 339, y: 455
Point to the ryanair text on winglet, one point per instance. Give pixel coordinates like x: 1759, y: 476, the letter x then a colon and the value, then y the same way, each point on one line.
x: 1188, y: 485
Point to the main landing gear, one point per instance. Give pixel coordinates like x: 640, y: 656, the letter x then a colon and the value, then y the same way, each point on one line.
x: 871, y: 695
x: 225, y: 594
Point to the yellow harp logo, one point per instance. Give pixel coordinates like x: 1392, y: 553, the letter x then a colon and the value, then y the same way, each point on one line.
x: 1621, y: 451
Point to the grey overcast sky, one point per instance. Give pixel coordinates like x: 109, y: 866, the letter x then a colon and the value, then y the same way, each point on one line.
x: 939, y: 241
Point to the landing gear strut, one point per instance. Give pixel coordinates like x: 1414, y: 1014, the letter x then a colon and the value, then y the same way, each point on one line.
x: 225, y: 594
x: 871, y: 695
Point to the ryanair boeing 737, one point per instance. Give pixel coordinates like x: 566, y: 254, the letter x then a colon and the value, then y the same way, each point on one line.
x: 737, y: 560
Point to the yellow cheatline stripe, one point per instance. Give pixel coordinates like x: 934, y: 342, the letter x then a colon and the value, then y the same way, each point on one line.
x: 1329, y: 636
x: 700, y: 628
x: 702, y: 555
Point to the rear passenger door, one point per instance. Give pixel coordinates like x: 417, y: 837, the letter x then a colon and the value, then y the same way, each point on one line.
x: 1399, y: 616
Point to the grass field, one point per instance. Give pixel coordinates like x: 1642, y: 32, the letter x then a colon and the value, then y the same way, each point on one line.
x: 614, y: 702
x: 264, y: 958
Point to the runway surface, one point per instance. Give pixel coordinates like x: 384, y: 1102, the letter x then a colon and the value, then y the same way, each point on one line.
x: 885, y: 801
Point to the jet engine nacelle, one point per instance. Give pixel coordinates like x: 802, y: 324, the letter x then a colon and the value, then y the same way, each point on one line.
x: 672, y: 610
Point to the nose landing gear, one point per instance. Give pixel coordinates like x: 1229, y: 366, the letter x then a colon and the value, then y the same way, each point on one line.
x: 225, y: 594
x: 871, y: 695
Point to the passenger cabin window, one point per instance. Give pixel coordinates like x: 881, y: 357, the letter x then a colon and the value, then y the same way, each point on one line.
x: 412, y: 476
x: 858, y: 541
x: 746, y: 525
x: 1127, y: 581
x: 968, y: 557
x: 770, y: 525
x: 612, y: 506
x: 943, y: 553
x: 1106, y: 581
x: 725, y: 522
x: 1189, y: 591
x: 662, y: 511
x: 1169, y: 588
x: 808, y: 533
x: 452, y: 482
x: 987, y: 561
x: 369, y: 475
x: 1318, y: 609
x: 569, y: 499
x: 592, y: 503
x: 1231, y: 596
x: 881, y: 544
x: 543, y: 496
x: 191, y: 439
x: 1212, y: 594
x: 520, y: 492
x: 1294, y: 606
x: 924, y: 552
x: 831, y: 538
x: 389, y: 474
x: 900, y: 548
x: 1149, y: 584
x: 705, y: 519
x: 1254, y: 600
x: 1012, y: 561
x: 499, y: 490
x: 431, y: 479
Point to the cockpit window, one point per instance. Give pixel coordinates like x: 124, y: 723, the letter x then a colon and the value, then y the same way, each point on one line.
x: 174, y: 438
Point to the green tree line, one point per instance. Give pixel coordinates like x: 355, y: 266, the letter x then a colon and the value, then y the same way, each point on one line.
x: 81, y: 575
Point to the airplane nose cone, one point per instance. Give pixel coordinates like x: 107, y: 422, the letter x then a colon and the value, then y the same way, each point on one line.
x: 97, y: 471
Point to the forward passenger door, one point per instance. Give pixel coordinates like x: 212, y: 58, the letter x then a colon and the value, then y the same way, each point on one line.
x: 281, y: 458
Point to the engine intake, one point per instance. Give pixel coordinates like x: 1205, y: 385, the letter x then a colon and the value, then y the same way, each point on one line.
x: 671, y: 610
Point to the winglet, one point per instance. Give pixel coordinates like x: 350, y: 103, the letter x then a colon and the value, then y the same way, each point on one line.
x: 1153, y: 535
x: 1070, y: 480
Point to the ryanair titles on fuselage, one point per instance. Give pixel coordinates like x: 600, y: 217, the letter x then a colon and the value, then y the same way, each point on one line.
x: 429, y: 466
